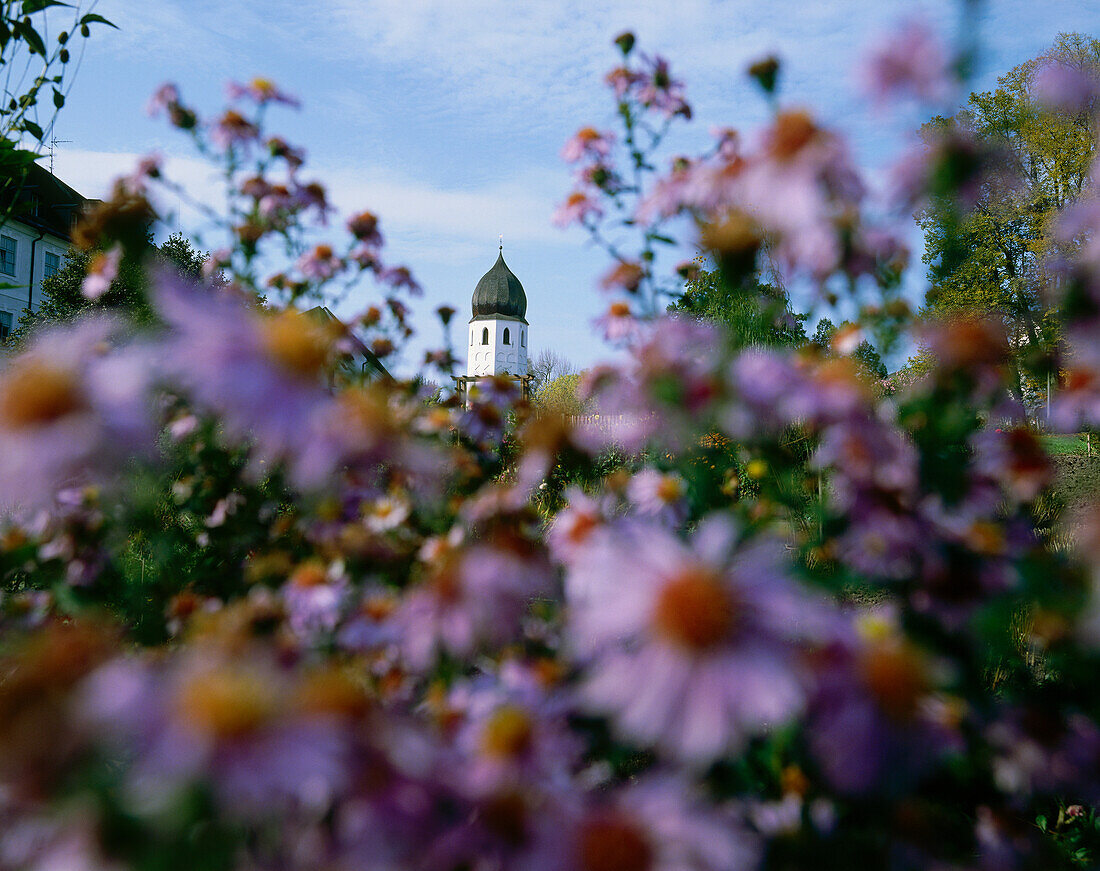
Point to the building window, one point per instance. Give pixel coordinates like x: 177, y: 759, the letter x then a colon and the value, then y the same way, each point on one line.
x: 52, y: 265
x: 5, y: 325
x: 507, y: 337
x: 523, y: 338
x: 485, y: 336
x: 7, y: 255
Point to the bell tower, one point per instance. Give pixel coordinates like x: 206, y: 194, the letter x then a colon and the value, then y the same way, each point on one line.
x: 497, y: 343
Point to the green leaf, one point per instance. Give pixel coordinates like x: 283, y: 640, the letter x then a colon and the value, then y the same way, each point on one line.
x: 58, y: 98
x: 1041, y: 822
x: 30, y: 36
x: 32, y: 6
x: 92, y: 18
x: 33, y: 129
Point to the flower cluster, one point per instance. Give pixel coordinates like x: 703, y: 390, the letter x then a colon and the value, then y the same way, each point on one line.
x: 263, y: 610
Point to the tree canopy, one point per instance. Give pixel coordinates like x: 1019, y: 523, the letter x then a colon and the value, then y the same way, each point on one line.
x: 990, y: 255
x: 63, y: 298
x: 755, y: 313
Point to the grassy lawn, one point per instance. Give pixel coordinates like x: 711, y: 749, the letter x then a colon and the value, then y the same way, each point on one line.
x: 1068, y: 444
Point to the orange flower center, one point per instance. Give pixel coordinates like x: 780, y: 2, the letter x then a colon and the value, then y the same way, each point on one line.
x: 309, y: 574
x: 897, y: 678
x: 793, y: 130
x: 224, y: 703
x: 35, y: 393
x: 507, y: 733
x: 610, y: 843
x: 296, y: 343
x: 670, y: 489
x: 695, y: 610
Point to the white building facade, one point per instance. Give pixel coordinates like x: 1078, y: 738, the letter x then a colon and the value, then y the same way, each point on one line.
x: 33, y: 241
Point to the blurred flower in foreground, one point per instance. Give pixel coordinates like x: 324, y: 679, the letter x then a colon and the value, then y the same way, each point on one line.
x: 692, y: 648
x: 72, y: 407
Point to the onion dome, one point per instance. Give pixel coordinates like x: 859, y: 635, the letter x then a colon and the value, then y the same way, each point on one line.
x: 499, y: 294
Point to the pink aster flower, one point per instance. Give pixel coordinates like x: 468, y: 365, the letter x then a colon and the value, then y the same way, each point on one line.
x: 260, y: 91
x: 511, y: 731
x: 658, y: 494
x: 473, y: 595
x: 364, y: 227
x: 656, y: 825
x: 577, y: 208
x: 101, y: 272
x: 315, y: 597
x: 587, y: 142
x: 912, y: 61
x: 618, y: 324
x: 659, y: 90
x: 233, y: 129
x: 1065, y: 88
x: 692, y: 647
x: 320, y: 264
x: 876, y: 720
x: 71, y: 408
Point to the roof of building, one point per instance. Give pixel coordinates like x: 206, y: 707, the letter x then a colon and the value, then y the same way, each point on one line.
x: 322, y: 314
x: 42, y: 201
x: 499, y: 294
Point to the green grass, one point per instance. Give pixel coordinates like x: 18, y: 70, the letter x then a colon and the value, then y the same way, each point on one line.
x: 1056, y: 445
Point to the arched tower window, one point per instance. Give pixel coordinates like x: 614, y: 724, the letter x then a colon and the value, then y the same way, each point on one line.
x: 507, y: 337
x: 523, y: 338
x: 485, y: 336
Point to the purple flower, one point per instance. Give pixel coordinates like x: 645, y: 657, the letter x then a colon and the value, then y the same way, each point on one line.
x: 264, y: 374
x: 101, y: 272
x: 473, y: 595
x: 656, y: 825
x: 587, y: 142
x: 693, y: 648
x: 1065, y: 88
x: 71, y: 409
x: 912, y: 61
x: 320, y: 264
x: 659, y: 494
x: 261, y: 91
x: 876, y: 722
x: 233, y: 129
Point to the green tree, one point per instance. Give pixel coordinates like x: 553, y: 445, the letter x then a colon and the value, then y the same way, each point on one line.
x: 559, y: 395
x: 865, y: 353
x: 755, y: 313
x: 990, y: 257
x: 63, y: 297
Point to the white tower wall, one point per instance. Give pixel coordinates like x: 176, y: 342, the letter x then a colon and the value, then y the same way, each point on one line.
x: 496, y: 356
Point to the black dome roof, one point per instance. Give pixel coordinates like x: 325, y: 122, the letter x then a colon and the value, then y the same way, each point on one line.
x: 499, y: 294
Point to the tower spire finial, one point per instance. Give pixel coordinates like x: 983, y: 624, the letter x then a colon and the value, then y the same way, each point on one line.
x: 501, y: 243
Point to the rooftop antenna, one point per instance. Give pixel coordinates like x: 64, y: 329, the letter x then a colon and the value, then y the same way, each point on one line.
x: 55, y: 142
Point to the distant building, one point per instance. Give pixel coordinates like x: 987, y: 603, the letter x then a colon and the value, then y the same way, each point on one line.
x: 357, y: 362
x: 498, y: 340
x: 34, y: 237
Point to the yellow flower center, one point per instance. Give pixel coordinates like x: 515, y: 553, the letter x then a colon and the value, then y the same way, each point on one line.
x: 224, y: 703
x: 694, y: 610
x: 793, y: 130
x: 296, y: 343
x: 507, y: 733
x: 35, y: 393
x: 897, y: 677
x: 670, y: 489
x: 310, y: 574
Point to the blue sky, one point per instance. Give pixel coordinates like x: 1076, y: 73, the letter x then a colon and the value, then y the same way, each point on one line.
x: 446, y: 117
